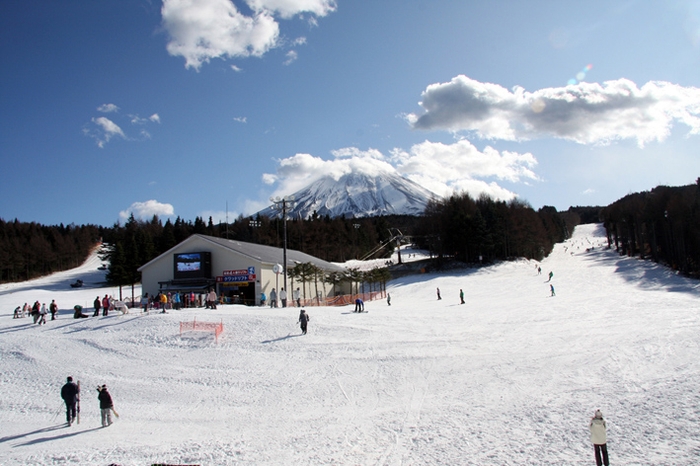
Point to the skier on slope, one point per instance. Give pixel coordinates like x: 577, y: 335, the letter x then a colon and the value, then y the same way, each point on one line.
x: 461, y: 296
x: 599, y: 439
x: 106, y: 405
x: 304, y: 320
x: 70, y: 394
x: 551, y: 288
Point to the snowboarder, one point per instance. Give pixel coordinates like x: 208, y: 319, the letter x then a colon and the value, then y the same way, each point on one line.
x: 304, y: 320
x: 105, y: 405
x: 359, y: 305
x: 78, y: 314
x: 273, y: 298
x: 599, y: 439
x: 263, y: 298
x: 461, y: 296
x: 551, y: 288
x: 551, y: 274
x: 438, y: 293
x: 70, y: 394
x: 539, y: 270
x: 297, y: 297
x: 97, y: 304
x: 283, y: 297
x: 388, y: 299
x: 53, y: 308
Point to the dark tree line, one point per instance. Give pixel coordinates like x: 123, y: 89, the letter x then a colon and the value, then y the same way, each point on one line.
x: 662, y: 224
x: 484, y: 230
x: 31, y: 250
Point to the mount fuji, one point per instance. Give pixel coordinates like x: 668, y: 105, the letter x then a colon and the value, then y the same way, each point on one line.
x: 357, y: 195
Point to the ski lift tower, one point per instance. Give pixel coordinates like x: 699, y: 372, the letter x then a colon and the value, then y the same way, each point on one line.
x: 283, y: 204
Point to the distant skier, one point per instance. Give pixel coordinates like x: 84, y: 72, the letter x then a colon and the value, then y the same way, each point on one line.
x: 105, y: 405
x: 539, y: 270
x: 18, y: 312
x: 599, y: 439
x: 303, y: 320
x: 263, y: 298
x: 359, y: 305
x: 388, y: 299
x: 461, y: 296
x: 97, y: 304
x: 70, y: 394
x: 273, y: 298
x: 551, y: 288
x: 438, y: 294
x: 551, y: 274
x: 53, y: 308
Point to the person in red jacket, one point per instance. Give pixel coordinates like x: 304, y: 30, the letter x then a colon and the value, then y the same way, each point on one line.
x: 105, y: 305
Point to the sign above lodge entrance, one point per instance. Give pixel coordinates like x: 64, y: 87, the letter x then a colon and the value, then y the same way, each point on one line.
x: 241, y: 275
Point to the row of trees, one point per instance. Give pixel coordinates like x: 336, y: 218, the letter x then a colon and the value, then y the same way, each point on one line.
x: 662, y: 224
x: 31, y: 250
x: 484, y: 230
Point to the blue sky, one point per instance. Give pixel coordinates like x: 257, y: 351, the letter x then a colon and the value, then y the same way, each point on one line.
x: 192, y: 107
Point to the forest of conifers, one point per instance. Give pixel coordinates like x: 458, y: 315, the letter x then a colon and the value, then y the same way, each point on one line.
x: 662, y: 224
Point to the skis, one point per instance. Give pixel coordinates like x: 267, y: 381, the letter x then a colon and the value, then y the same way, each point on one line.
x: 78, y: 407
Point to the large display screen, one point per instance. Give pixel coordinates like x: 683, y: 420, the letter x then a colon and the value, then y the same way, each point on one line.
x: 193, y: 265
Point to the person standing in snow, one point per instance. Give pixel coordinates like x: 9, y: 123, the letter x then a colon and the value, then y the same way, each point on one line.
x: 105, y: 305
x: 551, y: 288
x: 36, y: 311
x: 551, y: 274
x: 438, y: 294
x: 303, y: 320
x: 273, y: 298
x: 283, y: 297
x: 211, y: 299
x: 297, y: 297
x: 70, y: 394
x: 97, y: 304
x: 53, y: 308
x: 388, y: 299
x: 461, y: 296
x: 106, y: 405
x: 599, y: 439
x: 42, y: 314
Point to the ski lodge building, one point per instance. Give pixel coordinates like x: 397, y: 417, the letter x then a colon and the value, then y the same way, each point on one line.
x: 239, y: 272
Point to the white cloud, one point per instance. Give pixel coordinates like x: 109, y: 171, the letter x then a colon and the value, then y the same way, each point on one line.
x: 291, y: 57
x: 241, y: 119
x: 107, y: 108
x: 440, y: 168
x: 154, y: 118
x: 146, y: 210
x: 106, y: 130
x: 288, y: 8
x: 200, y: 30
x: 587, y: 113
x: 236, y: 68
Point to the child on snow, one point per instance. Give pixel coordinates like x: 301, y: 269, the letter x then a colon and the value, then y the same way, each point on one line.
x: 599, y: 439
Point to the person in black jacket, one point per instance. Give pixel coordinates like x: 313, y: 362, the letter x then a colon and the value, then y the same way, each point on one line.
x: 70, y: 394
x: 97, y: 304
x: 304, y: 320
x: 105, y: 405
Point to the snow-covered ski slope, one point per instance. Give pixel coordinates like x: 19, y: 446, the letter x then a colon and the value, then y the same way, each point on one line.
x: 512, y: 377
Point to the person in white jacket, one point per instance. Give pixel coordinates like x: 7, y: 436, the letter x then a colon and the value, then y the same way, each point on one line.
x: 599, y: 439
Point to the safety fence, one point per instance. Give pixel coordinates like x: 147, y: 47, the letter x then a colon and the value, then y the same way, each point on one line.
x: 195, y: 326
x: 343, y: 300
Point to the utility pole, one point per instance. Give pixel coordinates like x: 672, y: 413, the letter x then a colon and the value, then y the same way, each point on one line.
x: 282, y: 204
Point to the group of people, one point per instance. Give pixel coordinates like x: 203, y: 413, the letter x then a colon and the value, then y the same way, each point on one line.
x: 37, y: 311
x: 282, y: 295
x: 178, y: 300
x: 70, y: 393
